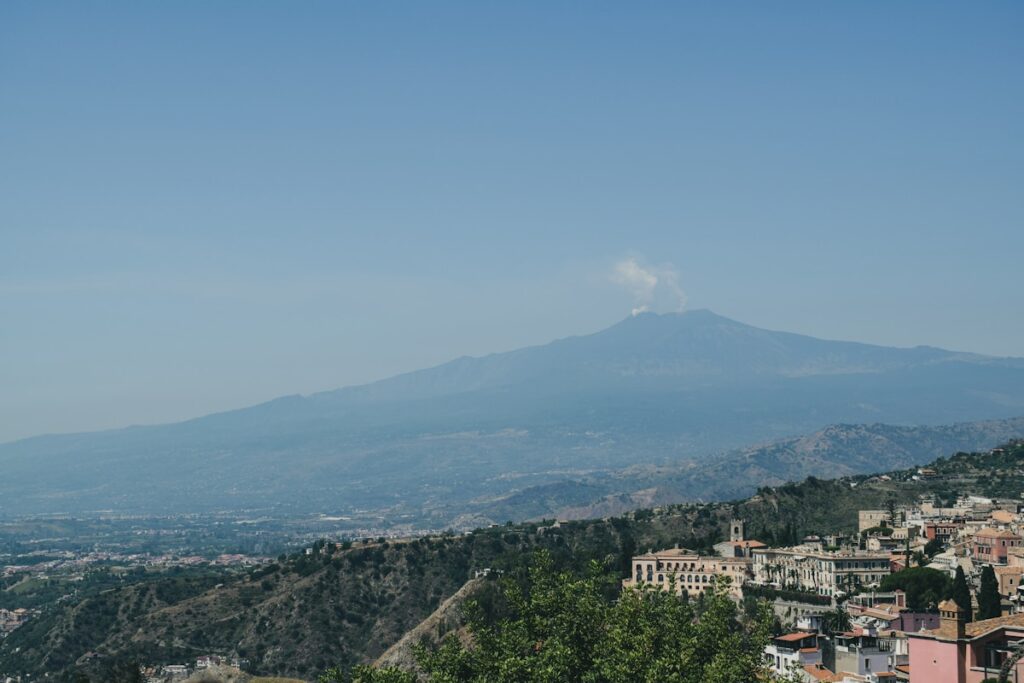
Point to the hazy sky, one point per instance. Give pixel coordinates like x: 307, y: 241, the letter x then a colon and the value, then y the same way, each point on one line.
x: 206, y: 205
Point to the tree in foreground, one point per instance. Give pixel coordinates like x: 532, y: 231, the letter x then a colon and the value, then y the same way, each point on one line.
x: 564, y: 628
x: 989, y: 600
x: 962, y: 592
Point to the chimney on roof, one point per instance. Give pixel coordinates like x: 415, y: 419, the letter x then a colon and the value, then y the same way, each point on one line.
x: 952, y: 619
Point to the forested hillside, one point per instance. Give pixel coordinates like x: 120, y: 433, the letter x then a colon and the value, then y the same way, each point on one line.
x: 340, y: 605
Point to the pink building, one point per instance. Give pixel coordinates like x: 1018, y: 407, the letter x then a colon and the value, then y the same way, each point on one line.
x: 958, y: 652
x: 993, y: 545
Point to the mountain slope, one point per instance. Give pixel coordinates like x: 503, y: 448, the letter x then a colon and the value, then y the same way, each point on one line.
x: 651, y: 389
x: 836, y: 450
x: 341, y: 606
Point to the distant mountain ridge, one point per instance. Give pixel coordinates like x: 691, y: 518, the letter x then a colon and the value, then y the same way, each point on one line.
x: 695, y: 344
x: 835, y: 451
x: 650, y: 390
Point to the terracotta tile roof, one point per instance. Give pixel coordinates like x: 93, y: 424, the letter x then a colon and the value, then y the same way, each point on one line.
x: 979, y: 628
x: 1000, y: 571
x: 976, y: 628
x: 792, y: 637
x: 821, y: 673
x: 882, y: 611
x: 989, y: 532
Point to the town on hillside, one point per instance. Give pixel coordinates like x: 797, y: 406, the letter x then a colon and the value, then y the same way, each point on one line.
x: 873, y: 607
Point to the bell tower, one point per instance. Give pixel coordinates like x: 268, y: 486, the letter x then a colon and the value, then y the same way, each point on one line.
x: 736, y: 530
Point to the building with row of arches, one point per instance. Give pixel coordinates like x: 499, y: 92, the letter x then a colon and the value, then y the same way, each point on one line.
x: 685, y: 571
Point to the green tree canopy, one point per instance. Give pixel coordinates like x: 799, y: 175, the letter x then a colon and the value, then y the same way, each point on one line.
x: 962, y: 592
x: 989, y: 600
x: 933, y: 547
x: 924, y: 587
x: 563, y: 627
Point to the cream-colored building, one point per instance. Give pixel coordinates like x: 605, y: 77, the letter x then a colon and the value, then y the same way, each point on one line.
x: 869, y: 519
x: 1009, y: 579
x: 692, y: 573
x: 824, y: 573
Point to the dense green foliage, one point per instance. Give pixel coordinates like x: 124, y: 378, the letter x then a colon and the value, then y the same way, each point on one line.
x: 962, y: 593
x: 989, y: 600
x: 933, y: 548
x: 562, y: 627
x: 837, y: 620
x: 768, y: 593
x: 996, y: 474
x: 925, y: 588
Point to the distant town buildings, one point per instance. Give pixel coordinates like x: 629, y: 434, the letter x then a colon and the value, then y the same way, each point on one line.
x: 13, y: 619
x: 870, y: 519
x: 886, y: 640
x: 828, y: 573
x: 694, y: 574
x: 737, y: 545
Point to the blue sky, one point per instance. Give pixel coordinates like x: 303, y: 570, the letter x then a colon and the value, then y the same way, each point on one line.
x: 207, y: 205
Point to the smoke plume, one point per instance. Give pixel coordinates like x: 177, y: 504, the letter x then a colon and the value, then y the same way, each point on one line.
x: 652, y: 287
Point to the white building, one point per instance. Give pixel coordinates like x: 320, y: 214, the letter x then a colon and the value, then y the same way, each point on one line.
x: 822, y: 572
x: 792, y: 652
x: 862, y: 655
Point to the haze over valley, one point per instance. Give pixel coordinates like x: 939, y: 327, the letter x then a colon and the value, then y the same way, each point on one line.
x: 572, y: 422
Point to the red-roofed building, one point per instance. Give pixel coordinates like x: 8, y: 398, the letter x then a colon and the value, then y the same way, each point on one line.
x: 820, y: 672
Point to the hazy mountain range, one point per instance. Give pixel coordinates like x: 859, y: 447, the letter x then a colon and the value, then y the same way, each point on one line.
x: 462, y: 437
